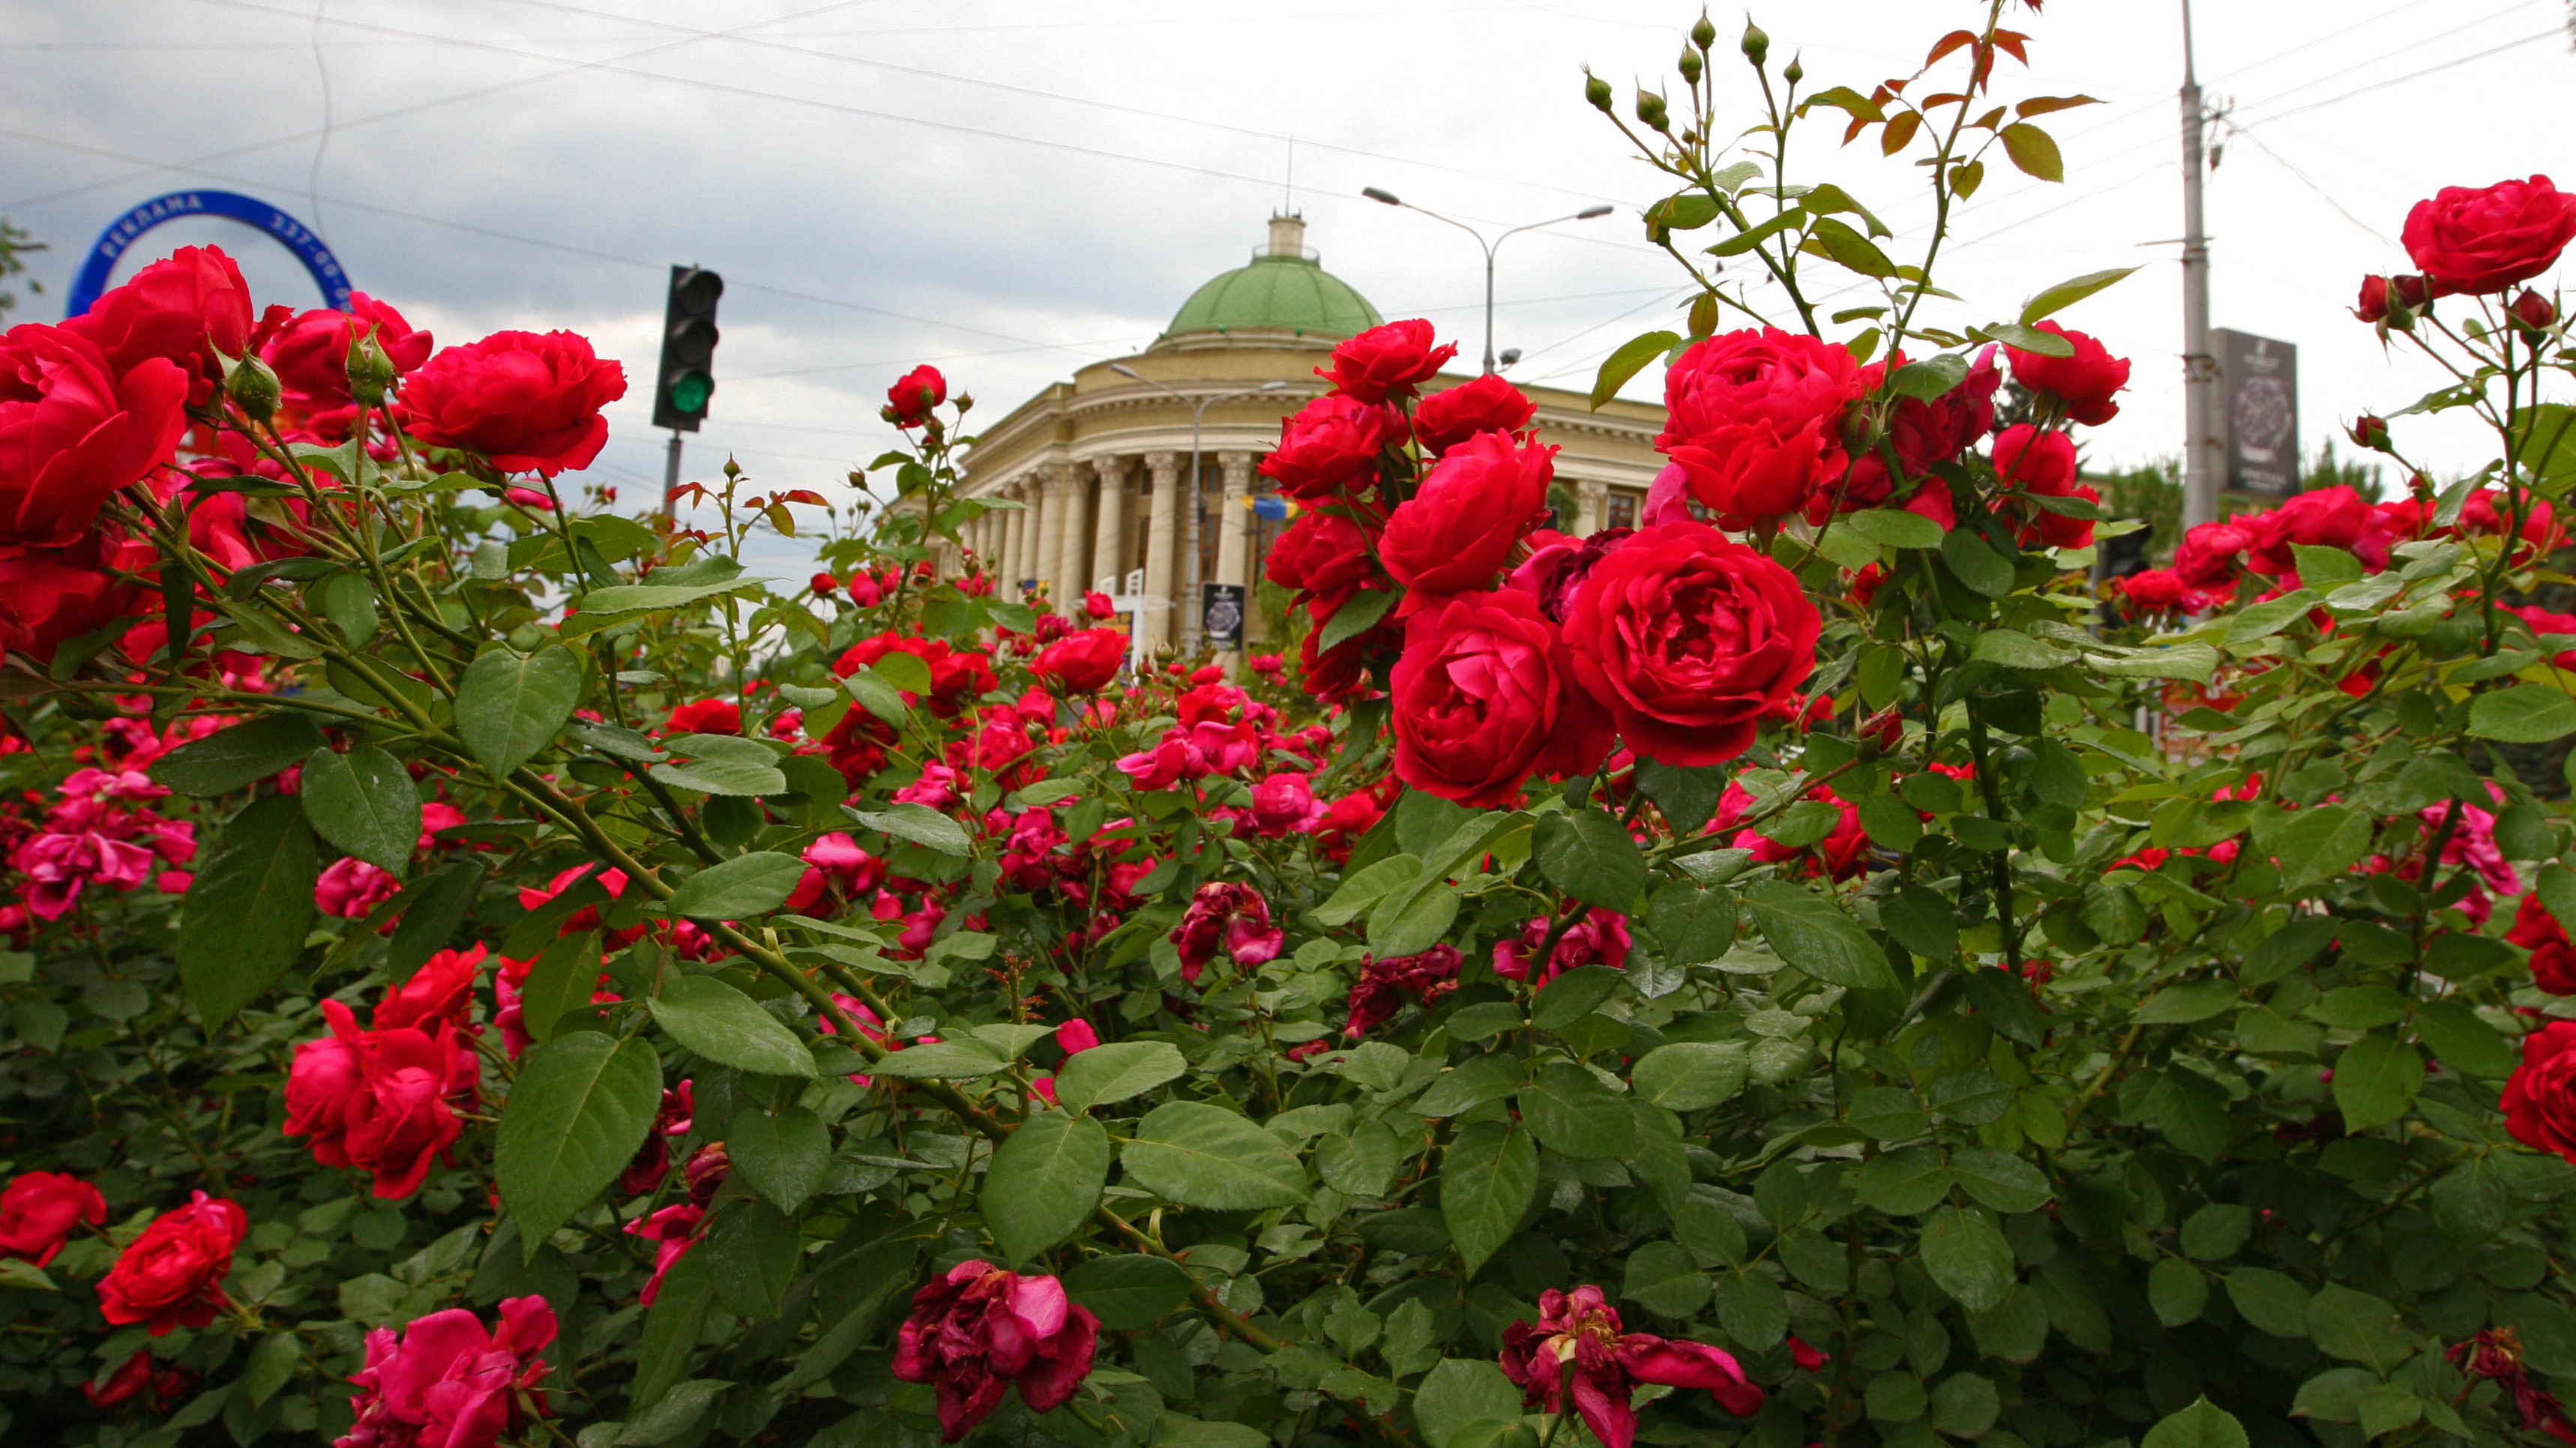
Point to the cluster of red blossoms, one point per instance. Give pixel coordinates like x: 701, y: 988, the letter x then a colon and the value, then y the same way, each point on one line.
x: 2470, y: 241
x: 384, y: 1100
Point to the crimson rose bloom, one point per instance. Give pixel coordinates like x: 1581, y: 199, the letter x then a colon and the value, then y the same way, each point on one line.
x: 2083, y: 383
x: 528, y: 401
x: 1330, y: 447
x: 1583, y: 1329
x: 1081, y: 663
x: 378, y: 1100
x: 2333, y: 517
x: 1387, y: 361
x: 2553, y: 955
x: 74, y: 430
x: 2487, y: 239
x: 977, y: 1330
x: 1689, y: 639
x: 311, y: 356
x: 1384, y: 984
x: 439, y: 992
x: 1784, y: 378
x: 2042, y: 464
x: 910, y: 400
x: 49, y: 596
x: 1456, y: 532
x: 1750, y: 473
x: 955, y: 675
x: 1233, y: 915
x: 2372, y: 305
x: 2540, y: 1098
x: 1484, y: 697
x: 444, y: 1383
x: 1558, y: 564
x: 171, y: 1276
x: 1920, y: 433
x: 705, y: 716
x: 185, y: 309
x: 1488, y: 404
x: 39, y: 1210
x: 1322, y: 555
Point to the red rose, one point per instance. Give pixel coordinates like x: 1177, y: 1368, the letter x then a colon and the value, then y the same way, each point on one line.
x: 39, y: 1211
x: 444, y: 1383
x: 2540, y: 1098
x: 2487, y: 239
x: 1582, y: 1331
x: 438, y: 992
x: 1387, y: 361
x: 378, y: 1100
x: 2156, y: 590
x: 1384, y: 984
x: 1784, y: 378
x: 910, y: 400
x: 1322, y: 555
x: 50, y: 596
x: 311, y: 356
x: 1230, y: 917
x: 75, y: 430
x: 1558, y: 564
x: 2321, y: 518
x: 2083, y: 383
x: 530, y: 402
x: 2553, y: 955
x: 1081, y: 663
x: 977, y: 1330
x: 2042, y: 464
x: 1488, y: 404
x: 1456, y: 532
x: 1749, y: 474
x: 823, y: 584
x: 2373, y: 304
x: 1330, y: 447
x: 705, y: 716
x: 1920, y: 433
x: 1484, y: 697
x: 857, y: 746
x: 954, y: 676
x: 184, y: 309
x: 1688, y: 639
x: 172, y: 1275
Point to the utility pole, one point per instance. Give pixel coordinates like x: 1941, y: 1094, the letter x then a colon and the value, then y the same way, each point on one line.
x: 2203, y: 458
x: 1389, y: 198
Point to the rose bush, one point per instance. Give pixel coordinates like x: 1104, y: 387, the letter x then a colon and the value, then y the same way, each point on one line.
x: 1809, y: 970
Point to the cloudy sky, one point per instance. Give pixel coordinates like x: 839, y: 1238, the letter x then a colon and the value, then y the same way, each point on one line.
x: 1011, y: 188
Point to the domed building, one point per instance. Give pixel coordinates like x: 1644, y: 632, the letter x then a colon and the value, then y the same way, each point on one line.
x: 1100, y: 467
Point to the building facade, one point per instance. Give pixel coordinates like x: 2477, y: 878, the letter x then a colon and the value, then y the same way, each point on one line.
x: 1100, y: 467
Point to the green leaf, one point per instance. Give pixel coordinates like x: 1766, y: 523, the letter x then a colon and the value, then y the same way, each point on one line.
x: 431, y: 918
x: 2002, y: 1181
x: 905, y: 671
x: 2189, y: 1001
x: 2272, y: 1301
x: 1630, y: 359
x: 1116, y: 1071
x: 2018, y: 650
x: 739, y: 888
x: 754, y: 1248
x: 1965, y: 1405
x: 2197, y: 662
x: 363, y: 802
x: 1752, y: 1309
x: 1044, y: 1182
x: 1920, y: 919
x: 1487, y: 1178
x: 729, y: 1028
x: 1814, y: 935
x: 2375, y: 1080
x: 509, y: 707
x: 672, y: 1327
x: 2317, y: 843
x: 2523, y: 714
x: 1589, y: 855
x: 1460, y: 1391
x: 1690, y: 1075
x: 1976, y: 565
x: 1904, y: 1183
x: 2035, y: 153
x: 2202, y: 1425
x: 722, y: 765
x: 2052, y: 300
x: 2463, y: 1041
x: 942, y: 1061
x: 1413, y: 917
x: 2003, y: 999
x: 1847, y: 246
x: 918, y: 823
x: 1206, y: 1156
x: 564, y: 978
x: 1925, y: 380
x: 1128, y: 1292
x: 2357, y: 1327
x: 1572, y: 996
x: 272, y: 1362
x: 1358, y: 614
x: 576, y: 1114
x: 1663, y: 1278
x: 1573, y: 1114
x: 1966, y: 1255
x: 2213, y: 1233
x: 1694, y: 925
x: 1687, y: 795
x: 242, y: 755
x: 244, y: 919
x: 1895, y: 527
x: 2334, y: 1396
x: 784, y: 1156
x: 2177, y: 1292
x: 878, y: 697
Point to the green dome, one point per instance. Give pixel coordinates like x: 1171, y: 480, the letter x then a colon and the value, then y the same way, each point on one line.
x: 1283, y: 293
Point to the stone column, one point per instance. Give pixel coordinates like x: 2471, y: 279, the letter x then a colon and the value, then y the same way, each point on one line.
x: 1163, y: 549
x: 1015, y: 544
x: 1234, y: 538
x: 1593, y: 512
x: 1109, y: 526
x: 1042, y: 526
x: 1073, y: 561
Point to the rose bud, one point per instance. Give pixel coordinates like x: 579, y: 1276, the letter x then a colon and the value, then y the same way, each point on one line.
x: 1756, y: 45
x: 1689, y: 65
x: 2413, y: 291
x: 370, y: 371
x: 1597, y: 91
x: 2370, y: 432
x: 252, y: 385
x: 1703, y: 34
x: 1650, y: 109
x: 823, y: 584
x: 2533, y: 310
x: 1882, y: 730
x: 2373, y: 305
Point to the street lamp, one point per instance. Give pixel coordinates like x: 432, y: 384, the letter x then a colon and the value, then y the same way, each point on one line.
x: 1198, y: 415
x: 1391, y: 199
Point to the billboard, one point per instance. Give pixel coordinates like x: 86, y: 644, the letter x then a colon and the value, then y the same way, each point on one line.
x: 2259, y: 380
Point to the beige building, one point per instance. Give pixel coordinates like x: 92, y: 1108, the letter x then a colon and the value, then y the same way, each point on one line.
x: 1100, y: 465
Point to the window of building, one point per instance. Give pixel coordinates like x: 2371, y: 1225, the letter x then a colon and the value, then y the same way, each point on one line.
x: 1622, y: 511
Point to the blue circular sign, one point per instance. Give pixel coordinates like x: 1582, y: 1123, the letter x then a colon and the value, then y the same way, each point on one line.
x: 232, y: 205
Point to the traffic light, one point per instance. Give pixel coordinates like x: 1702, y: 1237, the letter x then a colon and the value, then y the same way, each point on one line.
x: 687, y: 380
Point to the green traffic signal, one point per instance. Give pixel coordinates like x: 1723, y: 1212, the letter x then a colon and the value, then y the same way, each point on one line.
x: 690, y: 391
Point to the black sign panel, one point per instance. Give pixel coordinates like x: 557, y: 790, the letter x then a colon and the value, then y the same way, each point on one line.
x: 1221, y: 614
x: 2259, y: 383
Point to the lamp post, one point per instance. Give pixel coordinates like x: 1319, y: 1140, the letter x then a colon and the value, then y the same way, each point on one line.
x: 1198, y: 416
x: 1490, y: 247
